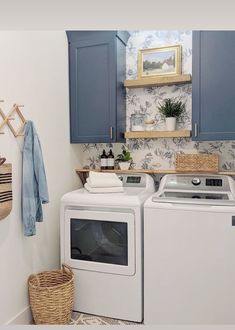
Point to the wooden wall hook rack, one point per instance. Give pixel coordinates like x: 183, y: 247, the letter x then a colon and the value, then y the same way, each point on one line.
x: 6, y: 120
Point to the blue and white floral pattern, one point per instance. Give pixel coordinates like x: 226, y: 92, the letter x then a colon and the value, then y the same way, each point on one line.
x: 160, y: 153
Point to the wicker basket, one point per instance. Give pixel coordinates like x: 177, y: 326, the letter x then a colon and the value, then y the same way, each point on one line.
x: 197, y: 163
x: 51, y: 296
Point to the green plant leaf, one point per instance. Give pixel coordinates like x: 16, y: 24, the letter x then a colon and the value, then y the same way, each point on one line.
x: 124, y: 157
x: 172, y: 107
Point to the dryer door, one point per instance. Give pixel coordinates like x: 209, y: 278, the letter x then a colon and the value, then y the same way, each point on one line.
x: 100, y: 241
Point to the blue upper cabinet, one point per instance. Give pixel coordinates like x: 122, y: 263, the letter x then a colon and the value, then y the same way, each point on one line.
x: 97, y: 69
x: 213, y: 85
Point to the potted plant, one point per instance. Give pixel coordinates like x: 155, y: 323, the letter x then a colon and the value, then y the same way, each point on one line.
x: 124, y: 159
x: 171, y: 109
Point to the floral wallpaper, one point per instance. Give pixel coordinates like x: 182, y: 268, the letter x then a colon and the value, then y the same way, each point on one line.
x: 160, y: 153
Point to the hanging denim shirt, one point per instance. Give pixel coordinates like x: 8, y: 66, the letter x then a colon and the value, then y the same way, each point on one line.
x: 34, y: 183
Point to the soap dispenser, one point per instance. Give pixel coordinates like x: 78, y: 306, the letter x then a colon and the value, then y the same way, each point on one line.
x: 110, y: 160
x: 103, y: 161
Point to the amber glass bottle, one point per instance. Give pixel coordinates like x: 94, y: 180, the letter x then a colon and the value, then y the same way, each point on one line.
x: 103, y: 161
x: 110, y: 160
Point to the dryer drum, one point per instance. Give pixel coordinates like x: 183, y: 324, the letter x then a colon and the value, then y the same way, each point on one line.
x: 76, y: 253
x: 5, y: 190
x: 110, y: 237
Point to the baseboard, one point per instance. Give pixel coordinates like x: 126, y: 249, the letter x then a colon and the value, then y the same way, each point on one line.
x: 23, y: 317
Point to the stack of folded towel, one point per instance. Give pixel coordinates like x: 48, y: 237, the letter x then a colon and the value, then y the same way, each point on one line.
x: 103, y: 183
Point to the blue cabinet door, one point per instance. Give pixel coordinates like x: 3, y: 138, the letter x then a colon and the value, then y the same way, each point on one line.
x: 213, y: 85
x: 97, y: 98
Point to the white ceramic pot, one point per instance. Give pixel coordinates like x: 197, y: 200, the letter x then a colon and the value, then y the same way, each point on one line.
x: 170, y: 123
x: 124, y: 165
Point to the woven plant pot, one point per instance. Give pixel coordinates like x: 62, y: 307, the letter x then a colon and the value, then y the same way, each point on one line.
x: 51, y: 296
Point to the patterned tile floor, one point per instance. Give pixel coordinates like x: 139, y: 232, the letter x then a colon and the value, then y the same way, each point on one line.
x: 88, y: 319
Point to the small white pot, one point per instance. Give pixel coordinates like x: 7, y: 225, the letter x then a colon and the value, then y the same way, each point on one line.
x: 124, y: 165
x: 170, y: 123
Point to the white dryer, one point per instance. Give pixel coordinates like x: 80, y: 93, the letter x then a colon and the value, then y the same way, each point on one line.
x: 102, y: 240
x: 189, y: 251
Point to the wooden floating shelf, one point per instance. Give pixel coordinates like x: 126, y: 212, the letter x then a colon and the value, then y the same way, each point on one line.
x: 156, y: 134
x: 151, y: 171
x: 83, y: 172
x: 158, y: 81
x: 86, y: 170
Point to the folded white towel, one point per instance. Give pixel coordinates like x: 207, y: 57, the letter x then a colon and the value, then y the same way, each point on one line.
x: 104, y: 184
x: 103, y: 180
x: 103, y: 190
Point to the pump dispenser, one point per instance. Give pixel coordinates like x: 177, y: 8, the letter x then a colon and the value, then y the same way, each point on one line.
x: 110, y: 160
x: 103, y: 161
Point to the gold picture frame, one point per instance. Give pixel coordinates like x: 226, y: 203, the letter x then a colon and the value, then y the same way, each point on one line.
x: 161, y: 61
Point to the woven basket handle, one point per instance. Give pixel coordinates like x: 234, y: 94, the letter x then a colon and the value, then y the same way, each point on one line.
x: 36, y: 277
x: 67, y: 269
x: 2, y: 160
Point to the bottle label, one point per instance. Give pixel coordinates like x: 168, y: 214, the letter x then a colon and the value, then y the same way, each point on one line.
x: 103, y: 162
x: 110, y: 162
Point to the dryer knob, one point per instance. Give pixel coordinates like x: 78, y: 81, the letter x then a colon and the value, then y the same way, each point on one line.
x: 196, y: 181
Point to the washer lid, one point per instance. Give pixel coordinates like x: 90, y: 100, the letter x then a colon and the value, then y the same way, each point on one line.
x: 197, y: 189
x: 194, y: 197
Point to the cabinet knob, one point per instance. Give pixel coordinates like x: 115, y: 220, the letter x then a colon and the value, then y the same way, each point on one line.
x: 233, y: 220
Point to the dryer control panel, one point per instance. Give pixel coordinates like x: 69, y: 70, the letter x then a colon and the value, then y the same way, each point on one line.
x: 133, y: 180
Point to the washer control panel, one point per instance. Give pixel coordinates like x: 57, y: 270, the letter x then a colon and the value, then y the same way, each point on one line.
x: 214, y: 182
x: 196, y: 182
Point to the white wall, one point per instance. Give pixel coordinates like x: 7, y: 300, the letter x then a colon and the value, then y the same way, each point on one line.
x: 34, y: 72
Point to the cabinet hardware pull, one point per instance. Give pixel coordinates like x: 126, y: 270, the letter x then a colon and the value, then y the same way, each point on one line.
x: 233, y: 220
x: 111, y: 132
x: 195, y: 129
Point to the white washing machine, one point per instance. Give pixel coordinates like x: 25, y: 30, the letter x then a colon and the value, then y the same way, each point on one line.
x: 189, y: 251
x: 102, y: 240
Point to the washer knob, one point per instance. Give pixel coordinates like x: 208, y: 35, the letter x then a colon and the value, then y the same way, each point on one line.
x: 196, y: 181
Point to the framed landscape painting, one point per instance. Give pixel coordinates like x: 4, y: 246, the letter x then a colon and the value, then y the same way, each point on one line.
x: 160, y: 61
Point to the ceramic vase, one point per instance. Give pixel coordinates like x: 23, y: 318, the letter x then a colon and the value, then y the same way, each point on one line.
x: 170, y: 123
x: 124, y: 165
